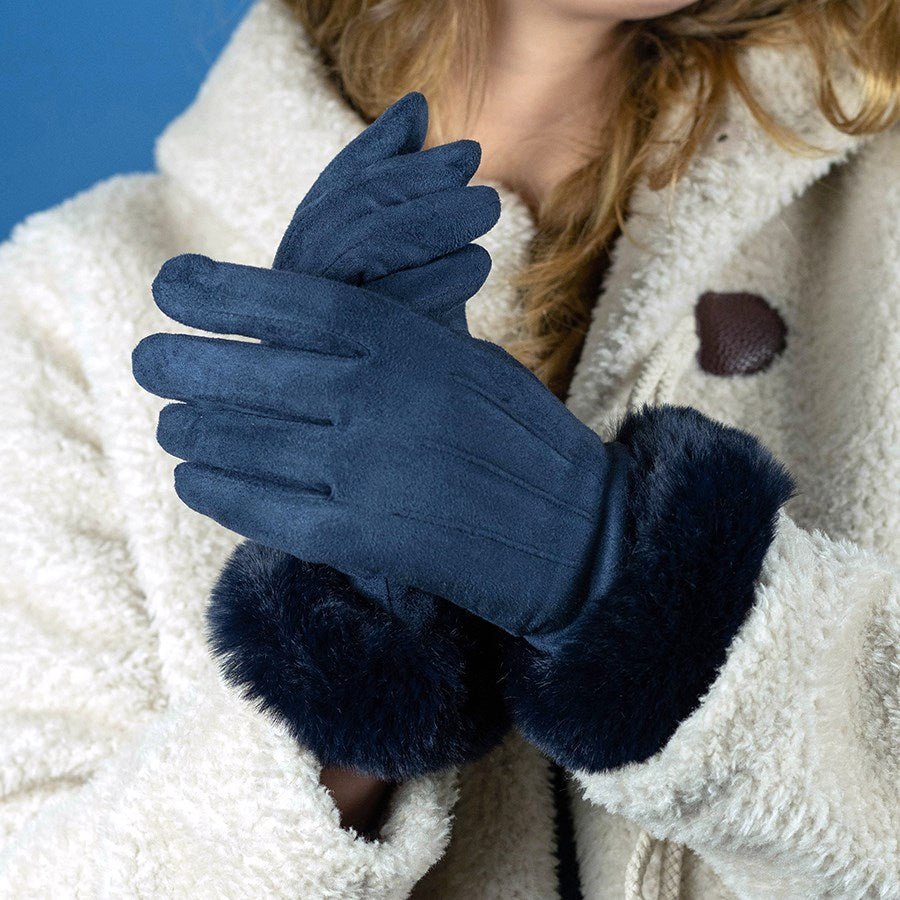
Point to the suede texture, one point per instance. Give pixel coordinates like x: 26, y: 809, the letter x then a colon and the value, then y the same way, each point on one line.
x: 304, y: 639
x: 703, y: 502
x: 390, y: 696
x: 363, y: 434
x: 384, y: 210
x: 368, y: 219
x: 347, y: 227
x: 368, y: 437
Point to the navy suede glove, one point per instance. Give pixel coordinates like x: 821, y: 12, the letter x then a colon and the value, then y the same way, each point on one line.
x: 382, y: 214
x: 366, y: 436
x: 397, y: 219
x: 370, y: 675
x: 370, y: 434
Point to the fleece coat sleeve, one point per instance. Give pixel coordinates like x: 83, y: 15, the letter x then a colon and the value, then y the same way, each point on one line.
x: 785, y: 778
x: 107, y: 787
x: 737, y: 691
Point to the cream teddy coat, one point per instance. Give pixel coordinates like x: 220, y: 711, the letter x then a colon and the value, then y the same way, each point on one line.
x: 129, y: 768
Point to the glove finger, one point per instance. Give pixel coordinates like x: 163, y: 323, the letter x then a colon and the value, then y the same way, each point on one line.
x: 334, y: 320
x: 423, y: 552
x: 400, y: 129
x: 309, y: 523
x: 300, y: 519
x: 312, y: 237
x: 243, y: 375
x: 418, y: 476
x: 439, y: 289
x: 451, y: 164
x: 261, y: 446
x: 283, y: 308
x: 414, y: 233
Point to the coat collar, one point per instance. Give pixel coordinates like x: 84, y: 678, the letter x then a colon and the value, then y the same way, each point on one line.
x: 265, y: 123
x: 268, y: 119
x: 681, y: 238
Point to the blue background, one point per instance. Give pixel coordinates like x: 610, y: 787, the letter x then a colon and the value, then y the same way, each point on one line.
x: 86, y: 86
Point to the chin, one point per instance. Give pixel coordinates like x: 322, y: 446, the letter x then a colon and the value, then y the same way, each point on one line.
x: 619, y: 9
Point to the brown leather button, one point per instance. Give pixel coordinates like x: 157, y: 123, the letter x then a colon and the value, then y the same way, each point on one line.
x: 739, y: 333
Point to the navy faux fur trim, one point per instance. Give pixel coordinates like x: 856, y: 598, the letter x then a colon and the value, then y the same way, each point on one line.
x: 703, y: 504
x: 353, y: 683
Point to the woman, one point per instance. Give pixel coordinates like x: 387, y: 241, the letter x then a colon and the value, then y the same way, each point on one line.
x: 708, y: 704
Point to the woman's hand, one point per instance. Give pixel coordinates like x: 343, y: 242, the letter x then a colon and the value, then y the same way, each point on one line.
x: 396, y: 219
x: 383, y: 207
x: 368, y: 437
x: 409, y: 688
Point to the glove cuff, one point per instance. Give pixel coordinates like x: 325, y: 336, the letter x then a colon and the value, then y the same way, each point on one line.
x: 353, y: 683
x: 703, y: 500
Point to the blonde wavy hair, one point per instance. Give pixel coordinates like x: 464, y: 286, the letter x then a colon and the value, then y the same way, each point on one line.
x: 377, y: 50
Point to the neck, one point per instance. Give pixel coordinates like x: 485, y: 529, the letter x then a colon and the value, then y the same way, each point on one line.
x: 543, y: 95
x: 531, y: 38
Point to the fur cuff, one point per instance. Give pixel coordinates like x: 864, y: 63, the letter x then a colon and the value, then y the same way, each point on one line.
x: 703, y: 502
x: 354, y: 684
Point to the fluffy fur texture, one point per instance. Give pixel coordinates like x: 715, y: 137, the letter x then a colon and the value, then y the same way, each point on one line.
x: 356, y: 685
x: 703, y: 506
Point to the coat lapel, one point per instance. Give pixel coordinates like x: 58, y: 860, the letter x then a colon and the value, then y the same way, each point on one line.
x: 681, y: 237
x: 266, y: 122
